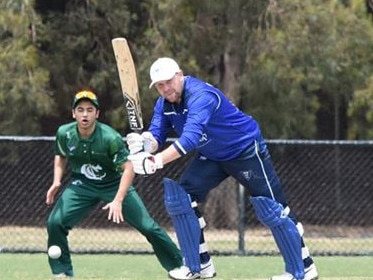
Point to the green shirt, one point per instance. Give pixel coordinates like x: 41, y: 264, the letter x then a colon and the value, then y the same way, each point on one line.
x: 96, y: 160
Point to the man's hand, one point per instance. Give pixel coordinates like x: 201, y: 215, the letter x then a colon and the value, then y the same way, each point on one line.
x: 145, y: 163
x: 115, y: 211
x: 51, y: 193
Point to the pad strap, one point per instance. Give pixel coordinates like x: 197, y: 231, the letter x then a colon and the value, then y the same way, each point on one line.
x: 284, y: 231
x: 185, y: 221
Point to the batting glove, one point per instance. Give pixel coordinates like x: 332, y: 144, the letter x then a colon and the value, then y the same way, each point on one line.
x: 135, y: 142
x: 145, y: 163
x: 150, y: 143
x: 144, y: 142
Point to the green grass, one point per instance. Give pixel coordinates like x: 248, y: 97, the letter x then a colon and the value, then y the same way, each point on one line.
x: 323, y: 240
x: 146, y: 267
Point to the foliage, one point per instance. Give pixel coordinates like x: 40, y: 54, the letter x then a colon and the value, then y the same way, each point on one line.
x: 361, y: 112
x: 24, y: 96
x: 293, y: 65
x: 207, y: 38
x: 78, y: 51
x: 75, y: 45
x: 303, y: 48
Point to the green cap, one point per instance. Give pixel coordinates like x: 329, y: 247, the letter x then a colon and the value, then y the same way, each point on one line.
x: 87, y: 95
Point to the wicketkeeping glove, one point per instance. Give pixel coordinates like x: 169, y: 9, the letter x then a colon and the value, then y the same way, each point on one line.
x: 145, y: 163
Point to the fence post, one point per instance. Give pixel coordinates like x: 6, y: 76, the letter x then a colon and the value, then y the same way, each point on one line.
x: 241, y: 218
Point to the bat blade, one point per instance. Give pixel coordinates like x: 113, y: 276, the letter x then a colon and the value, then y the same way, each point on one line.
x: 128, y: 81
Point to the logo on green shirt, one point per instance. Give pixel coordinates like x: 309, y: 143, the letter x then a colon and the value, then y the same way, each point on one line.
x: 92, y: 172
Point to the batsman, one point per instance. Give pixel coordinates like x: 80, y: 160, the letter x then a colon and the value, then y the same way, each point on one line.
x: 228, y: 143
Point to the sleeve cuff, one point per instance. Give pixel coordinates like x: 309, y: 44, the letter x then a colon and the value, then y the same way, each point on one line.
x: 179, y: 148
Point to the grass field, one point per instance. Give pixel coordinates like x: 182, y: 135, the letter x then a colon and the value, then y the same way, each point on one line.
x: 145, y: 267
x: 322, y: 240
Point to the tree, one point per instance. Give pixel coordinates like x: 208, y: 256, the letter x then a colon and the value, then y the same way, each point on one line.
x: 309, y: 57
x: 77, y: 49
x: 24, y: 94
x: 360, y: 111
x: 293, y: 65
x: 208, y: 38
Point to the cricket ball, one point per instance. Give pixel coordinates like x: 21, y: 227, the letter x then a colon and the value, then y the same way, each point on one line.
x: 54, y: 252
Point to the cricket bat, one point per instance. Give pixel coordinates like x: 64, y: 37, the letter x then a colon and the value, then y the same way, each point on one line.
x: 128, y: 82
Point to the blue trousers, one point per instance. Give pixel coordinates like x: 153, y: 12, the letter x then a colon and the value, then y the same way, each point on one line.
x: 253, y: 169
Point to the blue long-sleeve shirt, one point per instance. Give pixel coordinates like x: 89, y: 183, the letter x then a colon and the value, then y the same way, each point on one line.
x: 205, y: 120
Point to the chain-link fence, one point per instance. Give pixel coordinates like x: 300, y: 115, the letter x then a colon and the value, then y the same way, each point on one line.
x: 328, y: 185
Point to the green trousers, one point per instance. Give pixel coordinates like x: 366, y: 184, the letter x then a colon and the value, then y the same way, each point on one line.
x: 75, y: 204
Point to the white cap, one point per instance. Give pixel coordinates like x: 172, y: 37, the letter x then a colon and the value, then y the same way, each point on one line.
x: 163, y: 69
